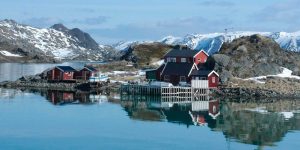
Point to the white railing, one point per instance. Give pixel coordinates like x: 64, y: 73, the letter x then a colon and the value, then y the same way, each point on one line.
x: 203, y: 84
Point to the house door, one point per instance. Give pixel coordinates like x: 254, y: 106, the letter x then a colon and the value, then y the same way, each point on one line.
x: 85, y: 75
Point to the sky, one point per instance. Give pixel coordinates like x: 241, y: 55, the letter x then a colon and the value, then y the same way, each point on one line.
x: 110, y: 21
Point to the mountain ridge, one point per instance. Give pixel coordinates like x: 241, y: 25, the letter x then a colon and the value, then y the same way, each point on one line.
x: 212, y: 42
x: 57, y: 42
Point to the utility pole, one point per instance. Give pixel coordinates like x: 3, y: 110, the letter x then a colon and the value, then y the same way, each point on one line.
x: 226, y: 32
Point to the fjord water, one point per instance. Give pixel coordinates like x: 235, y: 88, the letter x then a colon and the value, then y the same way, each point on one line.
x: 47, y: 119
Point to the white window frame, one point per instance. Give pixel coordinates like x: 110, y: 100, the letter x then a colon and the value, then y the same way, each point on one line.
x: 183, y: 60
x: 213, y: 79
x: 171, y: 59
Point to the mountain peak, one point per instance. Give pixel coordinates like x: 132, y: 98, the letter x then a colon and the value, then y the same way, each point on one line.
x: 59, y: 27
x: 8, y: 22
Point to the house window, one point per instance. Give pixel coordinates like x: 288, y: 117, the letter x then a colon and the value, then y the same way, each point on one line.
x: 182, y: 79
x: 183, y: 59
x: 167, y: 78
x: 203, y: 78
x: 213, y: 79
x: 199, y: 60
x: 171, y: 59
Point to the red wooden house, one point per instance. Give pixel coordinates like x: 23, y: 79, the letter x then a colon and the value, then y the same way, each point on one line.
x: 186, y: 56
x: 86, y: 73
x: 182, y: 66
x: 61, y: 73
x: 203, y: 74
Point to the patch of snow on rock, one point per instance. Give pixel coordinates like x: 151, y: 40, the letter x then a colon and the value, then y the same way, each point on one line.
x: 9, y: 54
x: 286, y: 73
x: 158, y: 63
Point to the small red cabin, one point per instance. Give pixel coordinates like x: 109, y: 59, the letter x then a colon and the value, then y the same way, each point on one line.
x: 61, y: 73
x: 210, y: 75
x: 200, y: 57
x: 86, y: 73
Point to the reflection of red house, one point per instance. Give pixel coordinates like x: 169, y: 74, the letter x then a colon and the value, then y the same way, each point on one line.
x: 201, y: 120
x: 214, y: 110
x: 61, y: 73
x: 60, y: 96
x: 86, y: 73
x: 68, y: 96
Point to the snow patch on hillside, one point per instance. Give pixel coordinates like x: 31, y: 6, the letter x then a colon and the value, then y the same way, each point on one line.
x: 286, y: 73
x: 9, y: 54
x: 158, y: 63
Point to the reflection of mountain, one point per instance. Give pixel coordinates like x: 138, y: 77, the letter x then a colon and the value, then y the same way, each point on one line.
x: 259, y: 124
x: 252, y: 123
x: 9, y: 93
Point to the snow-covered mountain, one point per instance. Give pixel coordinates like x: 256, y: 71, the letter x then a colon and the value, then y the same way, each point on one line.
x: 212, y: 43
x: 58, y: 41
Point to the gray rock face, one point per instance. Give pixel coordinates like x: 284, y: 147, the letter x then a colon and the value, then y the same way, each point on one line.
x: 254, y: 56
x: 83, y: 38
x: 57, y: 42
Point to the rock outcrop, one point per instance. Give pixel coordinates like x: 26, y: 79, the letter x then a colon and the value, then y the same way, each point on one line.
x: 253, y: 56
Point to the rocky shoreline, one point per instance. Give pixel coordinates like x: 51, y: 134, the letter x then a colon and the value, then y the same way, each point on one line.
x: 273, y: 87
x: 62, y: 86
x: 250, y: 93
x: 237, y: 88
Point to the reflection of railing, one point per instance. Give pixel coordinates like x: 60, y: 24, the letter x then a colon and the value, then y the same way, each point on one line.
x: 168, y: 93
x: 132, y: 89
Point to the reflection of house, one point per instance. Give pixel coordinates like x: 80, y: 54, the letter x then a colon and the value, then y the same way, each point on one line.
x: 57, y: 97
x: 182, y: 66
x: 67, y: 97
x: 184, y: 111
x: 214, y: 108
x: 61, y: 73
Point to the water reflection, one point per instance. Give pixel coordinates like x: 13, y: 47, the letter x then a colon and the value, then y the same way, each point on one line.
x: 181, y: 111
x: 70, y: 97
x: 57, y: 97
x: 249, y: 122
x: 261, y: 124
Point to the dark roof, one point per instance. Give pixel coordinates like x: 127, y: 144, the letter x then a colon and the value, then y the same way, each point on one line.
x: 201, y: 72
x: 181, y: 53
x: 90, y: 68
x: 65, y: 68
x: 161, y: 67
x: 181, y: 69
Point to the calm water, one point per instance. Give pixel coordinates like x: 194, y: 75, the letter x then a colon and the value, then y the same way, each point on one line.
x: 66, y: 120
